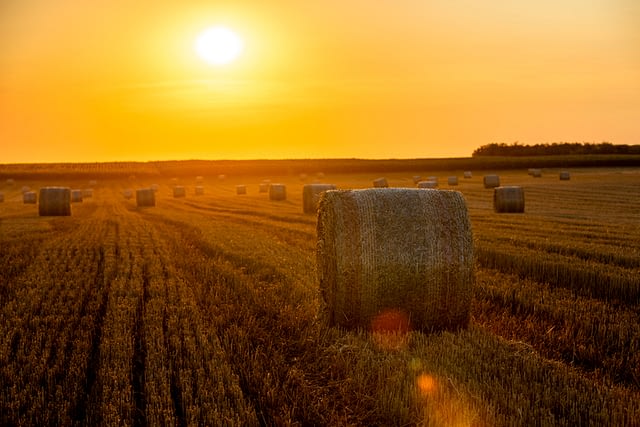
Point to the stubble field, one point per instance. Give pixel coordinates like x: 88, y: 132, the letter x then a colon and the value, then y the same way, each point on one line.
x: 203, y: 310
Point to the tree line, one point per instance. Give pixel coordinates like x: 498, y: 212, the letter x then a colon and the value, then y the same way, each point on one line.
x: 553, y: 149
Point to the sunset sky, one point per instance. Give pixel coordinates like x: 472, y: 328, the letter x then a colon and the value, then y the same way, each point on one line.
x: 106, y: 80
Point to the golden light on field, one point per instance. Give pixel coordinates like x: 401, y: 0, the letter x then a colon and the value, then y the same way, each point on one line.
x: 218, y: 45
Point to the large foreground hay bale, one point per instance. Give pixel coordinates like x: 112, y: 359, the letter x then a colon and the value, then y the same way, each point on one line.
x: 508, y: 199
x: 380, y: 182
x: 491, y: 181
x: 76, y: 196
x: 395, y: 250
x: 241, y: 189
x: 145, y: 197
x: 179, y: 191
x: 565, y: 176
x: 30, y: 197
x: 311, y: 196
x: 277, y: 192
x: 54, y: 201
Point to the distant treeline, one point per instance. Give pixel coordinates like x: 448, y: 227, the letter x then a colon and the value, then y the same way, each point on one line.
x: 554, y: 149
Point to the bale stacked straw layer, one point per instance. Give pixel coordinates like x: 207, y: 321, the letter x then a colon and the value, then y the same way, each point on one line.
x: 468, y: 174
x: 30, y: 197
x: 277, y: 192
x: 145, y: 197
x: 380, y: 183
x: 311, y: 196
x: 565, y: 176
x: 395, y: 250
x: 452, y: 180
x: 241, y: 189
x: 179, y: 191
x: 428, y: 184
x: 76, y: 196
x: 199, y: 190
x: 54, y: 201
x: 508, y: 199
x: 491, y: 181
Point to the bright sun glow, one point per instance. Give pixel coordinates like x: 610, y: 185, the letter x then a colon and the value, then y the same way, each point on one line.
x: 218, y: 45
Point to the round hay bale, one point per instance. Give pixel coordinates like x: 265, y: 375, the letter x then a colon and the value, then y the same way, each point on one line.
x: 1, y: 197
x: 427, y: 184
x: 199, y: 190
x: 30, y: 197
x: 468, y: 174
x: 491, y: 181
x: 277, y: 192
x: 565, y: 176
x: 263, y: 187
x: 179, y: 191
x: 87, y: 192
x: 241, y: 189
x: 508, y: 199
x: 54, y: 201
x: 311, y: 196
x: 128, y: 193
x: 145, y: 197
x: 452, y: 180
x: 380, y: 183
x: 76, y: 196
x: 400, y: 250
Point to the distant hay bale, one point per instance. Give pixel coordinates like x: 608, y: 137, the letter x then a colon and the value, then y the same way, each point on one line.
x: 432, y: 178
x: 154, y: 187
x: 30, y: 197
x: 427, y: 184
x: 491, y: 181
x: 199, y: 190
x: 10, y: 181
x: 468, y: 174
x: 536, y: 173
x: 416, y: 179
x: 320, y: 175
x: 380, y: 183
x: 530, y: 171
x: 54, y: 201
x: 277, y: 192
x: 311, y: 196
x: 303, y: 177
x: 263, y: 187
x: 452, y: 180
x: 508, y: 199
x: 222, y: 177
x: 145, y: 197
x: 76, y: 196
x: 93, y: 183
x: 241, y: 189
x: 565, y: 176
x: 395, y: 250
x: 128, y: 193
x: 179, y: 191
x: 25, y: 188
x: 87, y: 193
x: 199, y: 178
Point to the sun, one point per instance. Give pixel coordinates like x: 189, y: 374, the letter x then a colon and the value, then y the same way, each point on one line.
x: 218, y: 45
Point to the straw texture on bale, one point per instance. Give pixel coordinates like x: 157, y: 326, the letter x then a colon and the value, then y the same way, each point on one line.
x: 199, y: 190
x: 565, y: 176
x: 407, y: 250
x: 380, y: 183
x: 241, y: 189
x: 311, y: 196
x: 179, y: 191
x: 76, y: 196
x: 54, y: 201
x: 30, y: 197
x: 277, y: 192
x: 468, y: 174
x: 452, y: 180
x: 428, y: 184
x: 491, y: 181
x: 508, y: 199
x: 145, y: 197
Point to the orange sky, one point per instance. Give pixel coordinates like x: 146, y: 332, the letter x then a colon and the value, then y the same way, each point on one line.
x: 106, y: 80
